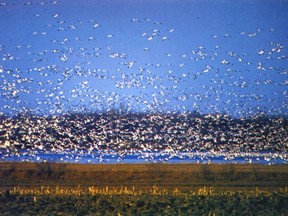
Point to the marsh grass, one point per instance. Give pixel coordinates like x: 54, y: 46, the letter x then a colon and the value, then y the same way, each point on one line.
x: 123, y: 190
x: 130, y: 201
x: 144, y: 176
x: 143, y: 189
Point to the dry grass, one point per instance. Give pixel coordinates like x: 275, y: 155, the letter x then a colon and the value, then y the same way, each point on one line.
x: 154, y: 190
x: 143, y: 189
x: 144, y: 176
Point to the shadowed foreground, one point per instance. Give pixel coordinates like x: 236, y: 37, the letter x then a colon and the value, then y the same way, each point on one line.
x: 143, y: 189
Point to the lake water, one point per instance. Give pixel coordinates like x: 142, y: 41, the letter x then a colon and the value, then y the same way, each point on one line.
x: 151, y: 157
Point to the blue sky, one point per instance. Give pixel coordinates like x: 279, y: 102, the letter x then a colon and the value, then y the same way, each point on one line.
x: 209, y: 56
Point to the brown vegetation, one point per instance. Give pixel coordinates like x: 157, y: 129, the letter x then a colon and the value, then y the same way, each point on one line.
x: 143, y: 189
x: 143, y: 176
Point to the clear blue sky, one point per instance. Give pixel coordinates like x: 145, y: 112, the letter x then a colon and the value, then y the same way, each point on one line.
x: 209, y: 56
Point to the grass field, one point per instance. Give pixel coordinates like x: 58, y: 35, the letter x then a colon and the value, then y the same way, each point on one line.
x: 143, y: 189
x: 182, y: 176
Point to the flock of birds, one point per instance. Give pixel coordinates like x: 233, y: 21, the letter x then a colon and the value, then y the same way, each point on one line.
x: 80, y: 65
x: 169, y: 135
